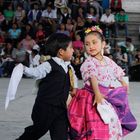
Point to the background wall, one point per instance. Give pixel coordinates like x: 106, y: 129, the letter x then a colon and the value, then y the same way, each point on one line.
x: 131, y: 5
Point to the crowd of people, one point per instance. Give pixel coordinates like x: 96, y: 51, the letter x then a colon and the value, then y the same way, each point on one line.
x: 26, y: 25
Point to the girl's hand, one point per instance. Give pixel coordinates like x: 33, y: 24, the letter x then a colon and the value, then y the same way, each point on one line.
x: 73, y: 92
x: 98, y: 98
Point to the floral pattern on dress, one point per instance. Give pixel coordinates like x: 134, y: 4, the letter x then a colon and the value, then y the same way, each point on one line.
x: 105, y: 74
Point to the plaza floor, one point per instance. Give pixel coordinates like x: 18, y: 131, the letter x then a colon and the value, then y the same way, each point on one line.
x: 17, y: 116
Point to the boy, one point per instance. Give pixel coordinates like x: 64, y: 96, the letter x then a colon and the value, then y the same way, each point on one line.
x: 49, y: 111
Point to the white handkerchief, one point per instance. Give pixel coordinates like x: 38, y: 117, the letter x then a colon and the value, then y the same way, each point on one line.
x: 106, y: 111
x: 13, y: 84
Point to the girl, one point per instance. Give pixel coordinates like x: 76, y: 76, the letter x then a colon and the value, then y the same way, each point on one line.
x: 49, y: 111
x: 98, y: 73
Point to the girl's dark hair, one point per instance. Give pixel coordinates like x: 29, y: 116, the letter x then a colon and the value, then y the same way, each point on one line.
x: 100, y: 35
x: 56, y: 42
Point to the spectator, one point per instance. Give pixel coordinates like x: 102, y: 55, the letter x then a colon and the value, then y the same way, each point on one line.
x: 34, y: 57
x: 81, y: 13
x: 34, y: 14
x: 2, y: 40
x: 73, y: 6
x: 90, y: 22
x: 62, y: 29
x: 107, y: 23
x: 69, y: 27
x: 27, y: 29
x: 49, y: 12
x: 60, y: 3
x: 130, y: 49
x: 19, y: 54
x: 83, y: 4
x: 134, y: 72
x: 78, y: 43
x: 105, y: 4
x: 77, y: 60
x: 20, y: 15
x: 107, y: 49
x: 49, y: 18
x: 32, y: 2
x: 137, y: 57
x: 121, y: 58
x: 25, y: 3
x: 2, y: 18
x: 14, y: 32
x: 121, y: 22
x: 7, y: 61
x: 116, y: 5
x: 9, y: 15
x: 98, y: 7
x: 65, y: 14
x: 27, y: 43
x: 40, y: 33
x: 79, y: 24
x: 92, y: 12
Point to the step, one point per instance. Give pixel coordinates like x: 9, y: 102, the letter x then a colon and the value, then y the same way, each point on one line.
x: 135, y: 40
x: 134, y: 17
x: 130, y: 33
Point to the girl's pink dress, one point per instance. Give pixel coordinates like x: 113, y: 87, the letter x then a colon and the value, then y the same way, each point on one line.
x: 85, y: 121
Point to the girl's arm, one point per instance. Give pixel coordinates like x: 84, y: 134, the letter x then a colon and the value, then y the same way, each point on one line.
x: 95, y: 87
x: 123, y: 83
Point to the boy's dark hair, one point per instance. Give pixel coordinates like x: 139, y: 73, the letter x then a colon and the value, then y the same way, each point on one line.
x: 56, y: 42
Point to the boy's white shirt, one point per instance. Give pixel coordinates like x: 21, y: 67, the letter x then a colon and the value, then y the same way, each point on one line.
x: 39, y: 72
x: 45, y: 68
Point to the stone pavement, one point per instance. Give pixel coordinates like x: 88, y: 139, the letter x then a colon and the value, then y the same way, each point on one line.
x: 17, y: 116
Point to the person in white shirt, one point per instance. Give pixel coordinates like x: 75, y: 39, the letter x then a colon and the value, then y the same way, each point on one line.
x: 49, y: 18
x: 57, y: 78
x: 34, y: 57
x: 108, y: 23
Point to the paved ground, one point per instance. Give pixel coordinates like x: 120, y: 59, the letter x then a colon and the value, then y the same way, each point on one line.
x: 17, y: 116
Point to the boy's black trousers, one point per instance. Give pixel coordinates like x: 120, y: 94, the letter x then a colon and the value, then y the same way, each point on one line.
x: 47, y: 117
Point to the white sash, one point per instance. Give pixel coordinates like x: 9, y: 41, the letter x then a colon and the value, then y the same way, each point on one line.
x: 13, y: 84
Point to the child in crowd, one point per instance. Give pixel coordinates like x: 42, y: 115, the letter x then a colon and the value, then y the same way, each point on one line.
x: 34, y: 57
x: 98, y: 73
x: 49, y: 111
x: 77, y: 60
x: 7, y: 59
x: 78, y: 43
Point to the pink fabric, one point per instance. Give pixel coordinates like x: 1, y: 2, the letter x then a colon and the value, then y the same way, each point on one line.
x: 78, y: 44
x: 106, y: 74
x: 85, y: 121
